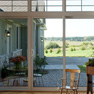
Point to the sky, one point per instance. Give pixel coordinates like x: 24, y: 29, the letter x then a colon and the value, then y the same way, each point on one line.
x: 74, y: 27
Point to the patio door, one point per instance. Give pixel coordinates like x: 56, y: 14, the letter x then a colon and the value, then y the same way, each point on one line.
x: 47, y: 52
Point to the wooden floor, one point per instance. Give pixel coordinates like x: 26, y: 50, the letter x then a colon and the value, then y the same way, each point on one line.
x: 36, y: 93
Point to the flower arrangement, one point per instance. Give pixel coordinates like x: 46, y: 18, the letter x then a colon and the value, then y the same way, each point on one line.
x: 18, y: 59
x: 90, y: 62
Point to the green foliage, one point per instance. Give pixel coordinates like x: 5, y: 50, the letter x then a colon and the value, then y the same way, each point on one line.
x: 85, y: 43
x: 72, y: 46
x: 83, y: 48
x: 58, y: 50
x: 90, y: 62
x: 82, y: 68
x: 86, y: 63
x: 51, y: 50
x: 54, y: 38
x: 52, y: 45
x: 67, y: 45
x: 46, y: 51
x: 72, y: 49
x: 39, y: 62
x: 92, y: 55
x: 92, y: 47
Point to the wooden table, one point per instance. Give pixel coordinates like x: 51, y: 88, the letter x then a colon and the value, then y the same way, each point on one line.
x: 18, y: 72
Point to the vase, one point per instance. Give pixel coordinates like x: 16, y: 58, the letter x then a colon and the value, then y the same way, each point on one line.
x: 18, y: 65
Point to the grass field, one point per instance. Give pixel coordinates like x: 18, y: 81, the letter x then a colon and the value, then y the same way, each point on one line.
x: 60, y: 43
x: 77, y: 53
x: 72, y: 44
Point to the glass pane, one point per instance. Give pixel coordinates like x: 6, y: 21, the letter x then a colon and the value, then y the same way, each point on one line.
x: 20, y: 2
x: 5, y: 2
x: 54, y: 8
x: 13, y: 53
x: 88, y: 8
x: 2, y: 9
x: 48, y: 52
x: 73, y: 8
x: 33, y: 8
x: 41, y: 8
x: 79, y: 46
x: 59, y: 2
x: 87, y: 2
x: 19, y: 8
x: 46, y: 5
x: 13, y: 5
x: 73, y: 2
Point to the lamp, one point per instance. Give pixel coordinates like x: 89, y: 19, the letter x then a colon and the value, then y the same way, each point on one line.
x: 7, y: 33
x: 41, y: 39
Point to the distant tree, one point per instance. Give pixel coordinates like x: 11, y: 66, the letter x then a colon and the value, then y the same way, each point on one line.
x: 46, y: 51
x: 58, y: 50
x: 92, y: 47
x: 67, y: 44
x: 51, y: 50
x: 85, y: 43
x: 52, y: 45
x: 72, y: 49
x: 83, y: 48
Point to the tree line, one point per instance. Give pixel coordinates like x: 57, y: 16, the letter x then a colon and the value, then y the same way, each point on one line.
x: 89, y: 38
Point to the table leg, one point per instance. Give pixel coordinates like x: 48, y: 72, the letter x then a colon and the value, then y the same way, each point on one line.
x: 89, y: 84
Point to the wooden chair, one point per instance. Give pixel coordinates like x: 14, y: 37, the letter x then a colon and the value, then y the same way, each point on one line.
x: 73, y: 83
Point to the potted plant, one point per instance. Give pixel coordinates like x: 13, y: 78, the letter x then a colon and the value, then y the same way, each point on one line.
x: 18, y: 61
x: 90, y: 66
x: 90, y: 72
x: 40, y: 63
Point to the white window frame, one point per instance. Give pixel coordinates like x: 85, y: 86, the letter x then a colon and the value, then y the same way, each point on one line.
x: 29, y: 16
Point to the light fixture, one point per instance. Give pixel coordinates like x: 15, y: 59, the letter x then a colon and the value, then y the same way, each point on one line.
x: 7, y: 33
x: 41, y: 39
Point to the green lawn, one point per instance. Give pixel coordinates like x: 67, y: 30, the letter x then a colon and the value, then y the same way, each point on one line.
x: 77, y: 53
x: 82, y: 68
x: 53, y: 54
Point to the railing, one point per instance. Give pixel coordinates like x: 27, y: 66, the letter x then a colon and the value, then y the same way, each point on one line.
x: 13, y: 5
x: 17, y: 52
x: 4, y: 59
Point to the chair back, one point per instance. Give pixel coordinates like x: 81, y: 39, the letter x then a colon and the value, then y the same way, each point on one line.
x: 73, y: 82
